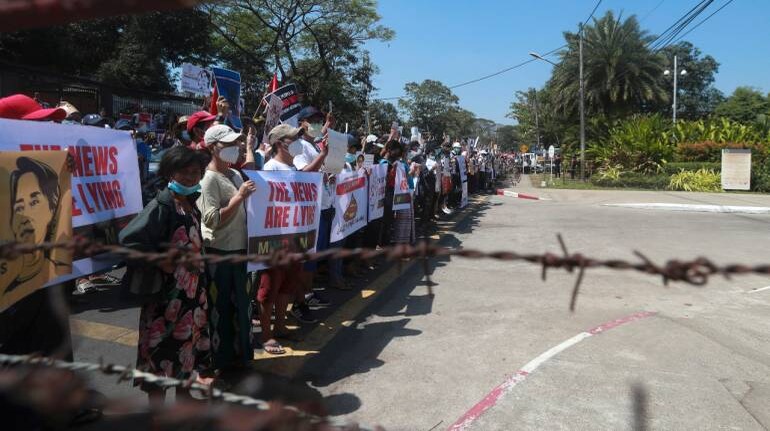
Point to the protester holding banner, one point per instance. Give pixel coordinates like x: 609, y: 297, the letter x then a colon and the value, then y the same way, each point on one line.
x: 278, y: 285
x: 398, y: 223
x: 174, y: 336
x: 221, y: 203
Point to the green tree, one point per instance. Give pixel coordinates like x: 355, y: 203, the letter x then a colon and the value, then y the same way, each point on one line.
x: 314, y: 43
x: 431, y: 106
x: 128, y: 51
x: 508, y: 138
x: 697, y: 97
x: 745, y: 105
x: 622, y: 75
x: 381, y: 116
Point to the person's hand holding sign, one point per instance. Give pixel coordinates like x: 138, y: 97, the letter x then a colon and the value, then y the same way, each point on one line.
x: 246, y: 190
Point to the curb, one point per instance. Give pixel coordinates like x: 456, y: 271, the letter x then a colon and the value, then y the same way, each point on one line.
x: 502, y: 192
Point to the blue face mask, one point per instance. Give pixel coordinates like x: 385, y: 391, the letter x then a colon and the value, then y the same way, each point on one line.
x: 350, y: 158
x: 183, y: 190
x: 186, y: 136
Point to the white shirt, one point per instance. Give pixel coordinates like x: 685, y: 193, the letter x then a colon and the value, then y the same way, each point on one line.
x: 309, y: 153
x: 275, y: 165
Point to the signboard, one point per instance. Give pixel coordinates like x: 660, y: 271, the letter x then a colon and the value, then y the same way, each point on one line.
x: 36, y: 186
x: 338, y: 147
x: 523, y: 148
x: 283, y: 213
x: 736, y: 169
x: 105, y: 179
x: 196, y: 80
x: 350, y: 205
x: 229, y: 86
x: 272, y: 114
x: 290, y: 105
x: 377, y: 191
x: 402, y: 197
x: 368, y: 160
x: 463, y: 180
x: 551, y: 152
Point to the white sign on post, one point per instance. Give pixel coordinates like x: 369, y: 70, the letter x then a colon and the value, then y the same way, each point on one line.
x: 284, y: 212
x: 551, y: 152
x: 196, y: 80
x: 338, y: 147
x: 736, y: 169
x: 350, y: 205
x: 105, y: 180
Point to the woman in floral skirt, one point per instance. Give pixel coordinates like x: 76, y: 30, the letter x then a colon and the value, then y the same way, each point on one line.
x: 173, y: 327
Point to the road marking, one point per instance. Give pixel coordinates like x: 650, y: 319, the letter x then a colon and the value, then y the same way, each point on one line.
x: 759, y: 289
x: 104, y: 332
x: 344, y: 316
x: 496, y: 394
x: 727, y: 209
x: 502, y: 192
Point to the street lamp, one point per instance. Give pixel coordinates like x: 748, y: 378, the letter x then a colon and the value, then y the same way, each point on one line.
x: 667, y: 72
x: 582, y: 103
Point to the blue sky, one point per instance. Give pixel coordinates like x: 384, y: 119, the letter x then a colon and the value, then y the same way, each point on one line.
x: 454, y: 41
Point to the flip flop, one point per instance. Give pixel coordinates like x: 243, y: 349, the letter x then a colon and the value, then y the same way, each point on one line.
x: 272, y: 347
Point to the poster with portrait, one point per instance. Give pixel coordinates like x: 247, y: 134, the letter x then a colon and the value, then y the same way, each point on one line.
x: 350, y: 205
x: 402, y: 196
x: 105, y: 180
x: 36, y: 187
x: 284, y: 212
x: 377, y: 191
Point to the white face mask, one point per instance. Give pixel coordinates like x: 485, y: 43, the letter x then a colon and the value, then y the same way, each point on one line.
x: 229, y: 154
x: 314, y: 129
x: 295, y: 148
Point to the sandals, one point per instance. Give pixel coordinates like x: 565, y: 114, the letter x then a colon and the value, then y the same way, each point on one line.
x: 272, y: 347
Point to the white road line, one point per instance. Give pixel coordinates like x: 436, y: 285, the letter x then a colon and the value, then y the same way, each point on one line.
x: 759, y: 289
x: 728, y: 209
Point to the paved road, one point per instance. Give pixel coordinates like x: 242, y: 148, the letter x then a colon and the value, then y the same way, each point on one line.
x: 495, y: 348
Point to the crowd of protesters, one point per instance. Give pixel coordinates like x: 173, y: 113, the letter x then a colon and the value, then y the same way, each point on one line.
x: 199, y: 319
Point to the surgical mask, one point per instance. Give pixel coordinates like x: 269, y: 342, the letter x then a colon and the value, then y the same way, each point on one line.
x: 295, y: 148
x: 350, y: 158
x: 182, y: 189
x: 229, y: 154
x: 457, y: 151
x: 314, y: 129
x: 186, y: 136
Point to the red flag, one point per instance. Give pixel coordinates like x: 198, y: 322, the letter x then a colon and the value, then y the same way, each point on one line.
x: 273, y: 84
x: 214, y: 97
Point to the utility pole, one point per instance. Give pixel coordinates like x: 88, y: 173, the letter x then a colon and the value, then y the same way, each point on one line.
x: 675, y: 76
x: 582, y: 112
x: 537, y: 121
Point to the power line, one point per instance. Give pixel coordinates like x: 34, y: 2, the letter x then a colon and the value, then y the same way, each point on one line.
x: 647, y: 15
x: 675, y: 29
x: 507, y: 69
x: 704, y: 20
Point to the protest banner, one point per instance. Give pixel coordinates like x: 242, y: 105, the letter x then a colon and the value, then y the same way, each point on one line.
x: 284, y: 212
x: 106, y: 191
x: 289, y: 96
x: 37, y: 186
x: 463, y: 181
x: 350, y: 205
x: 196, y: 80
x: 228, y: 85
x: 368, y: 160
x: 377, y: 191
x: 402, y: 196
x: 272, y: 114
x: 338, y: 147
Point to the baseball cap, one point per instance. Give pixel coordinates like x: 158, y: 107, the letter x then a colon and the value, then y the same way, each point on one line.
x: 21, y: 107
x: 95, y: 120
x: 282, y: 131
x: 220, y: 133
x: 72, y: 112
x: 124, y: 124
x: 199, y: 117
x: 308, y: 112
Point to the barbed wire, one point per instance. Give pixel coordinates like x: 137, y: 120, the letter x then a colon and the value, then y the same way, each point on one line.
x: 696, y: 272
x: 126, y: 373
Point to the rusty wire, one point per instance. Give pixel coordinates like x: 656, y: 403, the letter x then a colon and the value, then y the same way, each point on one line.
x: 126, y: 373
x: 696, y: 272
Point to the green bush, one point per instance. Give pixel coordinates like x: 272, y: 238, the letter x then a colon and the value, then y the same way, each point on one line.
x: 633, y: 180
x: 672, y: 168
x: 702, y: 180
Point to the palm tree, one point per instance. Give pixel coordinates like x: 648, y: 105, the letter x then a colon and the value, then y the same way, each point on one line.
x: 622, y: 75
